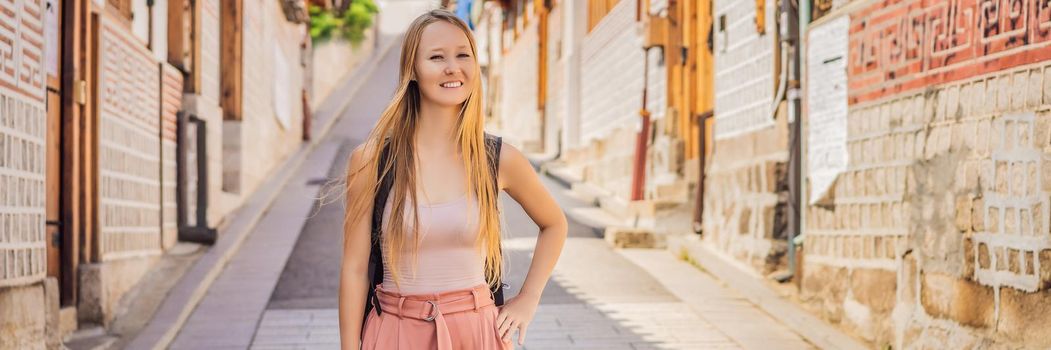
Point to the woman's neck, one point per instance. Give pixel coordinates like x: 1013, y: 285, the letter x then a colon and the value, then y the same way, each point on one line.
x: 436, y: 128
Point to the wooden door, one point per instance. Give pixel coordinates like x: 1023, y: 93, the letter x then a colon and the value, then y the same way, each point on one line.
x: 53, y: 138
x: 63, y: 158
x: 701, y: 72
x: 53, y: 191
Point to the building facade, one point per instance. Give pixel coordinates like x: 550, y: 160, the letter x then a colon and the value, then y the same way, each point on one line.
x: 100, y: 107
x: 570, y: 83
x: 930, y: 226
x: 924, y: 209
x: 744, y: 210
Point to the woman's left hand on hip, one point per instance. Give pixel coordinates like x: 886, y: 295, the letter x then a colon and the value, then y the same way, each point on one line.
x: 516, y: 313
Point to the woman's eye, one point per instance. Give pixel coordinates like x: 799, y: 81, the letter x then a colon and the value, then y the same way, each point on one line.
x: 463, y: 55
x: 436, y: 57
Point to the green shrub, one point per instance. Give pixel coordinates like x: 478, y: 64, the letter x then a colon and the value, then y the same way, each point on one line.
x: 351, y: 25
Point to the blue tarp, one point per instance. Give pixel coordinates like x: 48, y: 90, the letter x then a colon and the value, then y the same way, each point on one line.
x: 463, y: 10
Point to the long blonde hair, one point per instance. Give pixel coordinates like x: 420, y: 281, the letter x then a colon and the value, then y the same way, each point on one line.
x: 395, y: 130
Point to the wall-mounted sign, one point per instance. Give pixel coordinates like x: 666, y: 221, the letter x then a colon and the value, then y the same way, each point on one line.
x: 827, y: 106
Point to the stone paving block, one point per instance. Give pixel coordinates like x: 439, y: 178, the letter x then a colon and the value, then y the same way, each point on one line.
x: 775, y: 344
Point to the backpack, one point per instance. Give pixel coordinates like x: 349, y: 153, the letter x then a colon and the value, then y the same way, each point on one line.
x: 375, y: 268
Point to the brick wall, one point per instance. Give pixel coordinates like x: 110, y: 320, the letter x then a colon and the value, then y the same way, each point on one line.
x: 129, y: 150
x: 171, y: 102
x: 943, y: 41
x: 22, y: 147
x: 939, y: 229
x: 520, y: 118
x: 744, y: 213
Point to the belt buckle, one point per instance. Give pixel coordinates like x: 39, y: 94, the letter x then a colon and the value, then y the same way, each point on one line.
x: 434, y: 314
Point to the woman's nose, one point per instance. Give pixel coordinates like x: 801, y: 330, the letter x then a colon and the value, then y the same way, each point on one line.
x: 451, y: 68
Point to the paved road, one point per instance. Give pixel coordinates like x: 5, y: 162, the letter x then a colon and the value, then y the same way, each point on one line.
x: 598, y: 297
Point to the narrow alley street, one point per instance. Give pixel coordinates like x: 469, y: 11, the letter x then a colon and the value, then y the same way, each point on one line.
x: 280, y: 290
x: 804, y: 174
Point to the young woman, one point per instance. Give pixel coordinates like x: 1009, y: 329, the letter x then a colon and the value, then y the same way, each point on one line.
x: 435, y: 292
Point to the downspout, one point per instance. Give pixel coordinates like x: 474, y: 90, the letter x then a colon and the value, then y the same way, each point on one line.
x: 199, y: 232
x: 642, y: 141
x: 789, y: 31
x: 797, y: 240
x: 698, y: 209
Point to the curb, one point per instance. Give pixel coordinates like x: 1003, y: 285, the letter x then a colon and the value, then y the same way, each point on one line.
x: 597, y: 229
x: 568, y: 184
x: 238, y: 231
x: 243, y: 220
x: 745, y: 282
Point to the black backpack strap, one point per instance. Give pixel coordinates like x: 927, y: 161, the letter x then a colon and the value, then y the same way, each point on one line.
x: 376, y: 255
x: 493, y: 144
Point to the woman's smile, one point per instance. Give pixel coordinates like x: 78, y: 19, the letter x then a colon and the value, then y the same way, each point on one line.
x: 455, y: 84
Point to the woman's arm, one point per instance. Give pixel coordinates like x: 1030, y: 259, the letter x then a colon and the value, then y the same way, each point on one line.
x: 353, y: 277
x: 521, y: 182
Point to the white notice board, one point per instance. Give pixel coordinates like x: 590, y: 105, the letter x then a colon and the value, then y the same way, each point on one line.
x: 826, y: 106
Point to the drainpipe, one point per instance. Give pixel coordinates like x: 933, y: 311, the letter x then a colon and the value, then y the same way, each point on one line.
x: 642, y: 141
x: 790, y: 30
x: 698, y: 209
x: 797, y: 240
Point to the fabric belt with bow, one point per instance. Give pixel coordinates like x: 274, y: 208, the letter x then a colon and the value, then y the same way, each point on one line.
x: 432, y: 308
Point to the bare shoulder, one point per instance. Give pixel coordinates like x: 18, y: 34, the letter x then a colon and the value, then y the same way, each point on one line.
x: 364, y: 151
x: 513, y: 165
x: 360, y: 157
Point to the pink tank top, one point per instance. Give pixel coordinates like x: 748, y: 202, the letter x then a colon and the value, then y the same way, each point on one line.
x: 447, y: 258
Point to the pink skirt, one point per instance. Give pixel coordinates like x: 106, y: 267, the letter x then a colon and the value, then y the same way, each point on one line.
x: 459, y: 319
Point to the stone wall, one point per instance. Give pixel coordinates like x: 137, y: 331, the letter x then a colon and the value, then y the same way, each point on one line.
x: 612, y: 77
x: 22, y: 147
x: 744, y: 209
x: 23, y: 256
x: 937, y: 234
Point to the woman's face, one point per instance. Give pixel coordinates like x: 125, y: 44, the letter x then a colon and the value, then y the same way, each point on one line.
x: 444, y: 64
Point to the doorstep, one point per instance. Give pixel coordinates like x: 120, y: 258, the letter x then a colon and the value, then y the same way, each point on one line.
x: 619, y: 231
